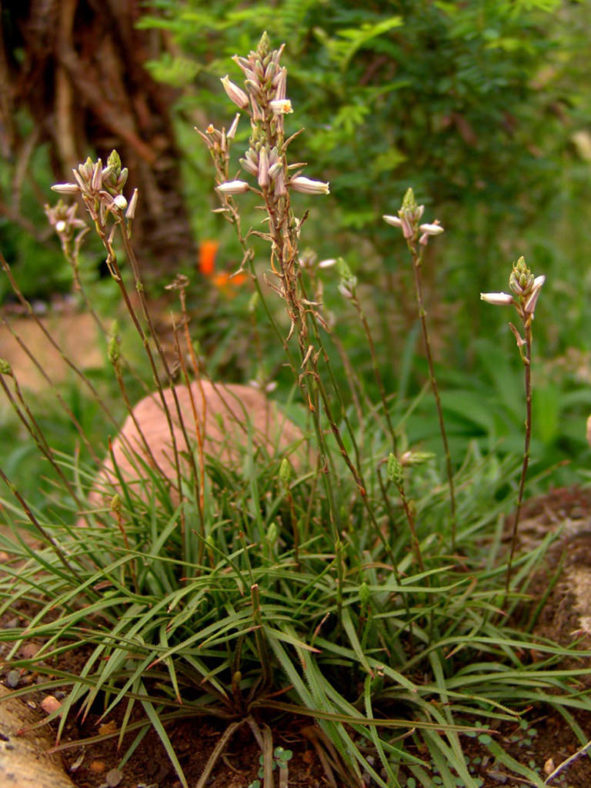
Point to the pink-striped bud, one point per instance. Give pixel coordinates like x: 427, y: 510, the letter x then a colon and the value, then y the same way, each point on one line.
x: 235, y: 93
x: 530, y: 304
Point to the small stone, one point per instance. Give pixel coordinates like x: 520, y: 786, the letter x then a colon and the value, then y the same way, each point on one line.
x: 114, y: 777
x: 12, y: 678
x: 97, y: 767
x: 50, y: 704
x: 549, y: 766
x: 29, y: 650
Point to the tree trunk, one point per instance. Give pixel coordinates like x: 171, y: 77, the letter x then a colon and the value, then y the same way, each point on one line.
x: 78, y: 68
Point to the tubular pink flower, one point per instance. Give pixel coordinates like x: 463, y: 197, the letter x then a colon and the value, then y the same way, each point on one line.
x: 263, y: 168
x: 530, y: 304
x: 235, y: 93
x: 395, y: 221
x: 407, y: 227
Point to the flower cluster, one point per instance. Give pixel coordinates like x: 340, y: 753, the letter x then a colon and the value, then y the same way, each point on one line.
x: 64, y: 220
x: 101, y: 189
x: 264, y: 98
x: 408, y: 219
x: 525, y: 289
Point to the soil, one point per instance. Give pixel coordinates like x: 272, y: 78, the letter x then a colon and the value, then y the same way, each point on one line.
x: 542, y: 739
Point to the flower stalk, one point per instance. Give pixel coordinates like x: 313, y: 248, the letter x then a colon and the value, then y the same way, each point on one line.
x: 417, y: 237
x: 525, y: 291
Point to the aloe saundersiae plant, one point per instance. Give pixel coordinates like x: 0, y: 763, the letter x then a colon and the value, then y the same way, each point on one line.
x: 525, y: 290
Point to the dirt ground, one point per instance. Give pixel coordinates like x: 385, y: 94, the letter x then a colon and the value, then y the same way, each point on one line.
x: 75, y: 334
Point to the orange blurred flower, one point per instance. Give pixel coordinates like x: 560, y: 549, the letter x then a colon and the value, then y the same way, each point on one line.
x: 207, y: 254
x: 224, y: 281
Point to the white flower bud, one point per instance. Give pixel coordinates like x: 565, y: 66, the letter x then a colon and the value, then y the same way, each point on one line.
x: 232, y: 130
x: 308, y: 186
x: 130, y: 213
x: 65, y: 188
x: 120, y: 202
x: 395, y: 221
x: 500, y: 299
x: 233, y: 187
x: 60, y: 226
x: 431, y: 229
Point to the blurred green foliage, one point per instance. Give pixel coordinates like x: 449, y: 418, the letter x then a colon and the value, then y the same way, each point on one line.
x: 472, y: 104
x: 29, y: 246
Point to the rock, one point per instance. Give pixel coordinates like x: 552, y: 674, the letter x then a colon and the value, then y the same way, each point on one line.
x: 12, y: 678
x: 29, y: 649
x: 228, y: 416
x: 114, y: 777
x: 49, y: 704
x: 24, y: 758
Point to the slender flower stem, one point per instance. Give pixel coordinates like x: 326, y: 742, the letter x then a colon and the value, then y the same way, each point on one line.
x: 417, y: 259
x: 416, y: 547
x: 526, y: 357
